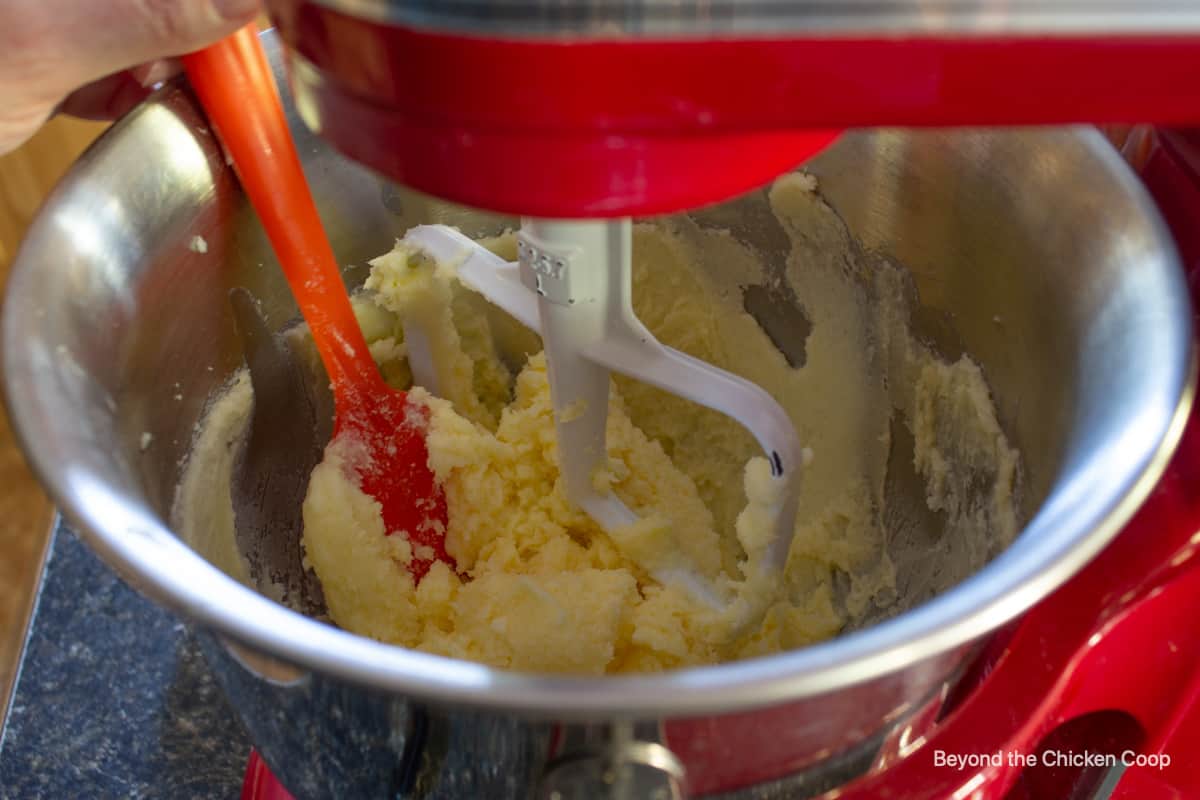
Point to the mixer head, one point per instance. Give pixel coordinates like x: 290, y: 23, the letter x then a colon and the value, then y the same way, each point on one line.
x: 610, y: 108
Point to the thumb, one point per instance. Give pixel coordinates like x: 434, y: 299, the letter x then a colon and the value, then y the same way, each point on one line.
x: 86, y: 41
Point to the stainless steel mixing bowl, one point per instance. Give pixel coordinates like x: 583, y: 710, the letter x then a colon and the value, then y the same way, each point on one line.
x: 117, y: 323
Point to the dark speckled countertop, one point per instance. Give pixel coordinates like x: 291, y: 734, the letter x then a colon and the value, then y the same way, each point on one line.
x: 113, y: 698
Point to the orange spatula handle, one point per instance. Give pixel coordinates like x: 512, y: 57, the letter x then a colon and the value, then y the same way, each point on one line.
x: 234, y: 82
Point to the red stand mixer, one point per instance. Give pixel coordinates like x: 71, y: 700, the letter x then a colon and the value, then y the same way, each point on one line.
x: 617, y: 109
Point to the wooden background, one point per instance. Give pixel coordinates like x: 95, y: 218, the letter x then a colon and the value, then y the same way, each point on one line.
x: 26, y: 175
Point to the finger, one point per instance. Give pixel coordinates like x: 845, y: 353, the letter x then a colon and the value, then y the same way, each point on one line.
x: 68, y: 43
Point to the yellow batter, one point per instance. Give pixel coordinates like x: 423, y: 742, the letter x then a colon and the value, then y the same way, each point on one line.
x: 542, y: 587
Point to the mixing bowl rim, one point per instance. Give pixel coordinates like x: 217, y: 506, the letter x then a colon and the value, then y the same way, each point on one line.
x: 143, y: 549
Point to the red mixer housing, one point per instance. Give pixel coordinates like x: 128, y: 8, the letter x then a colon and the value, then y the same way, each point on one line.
x: 609, y: 126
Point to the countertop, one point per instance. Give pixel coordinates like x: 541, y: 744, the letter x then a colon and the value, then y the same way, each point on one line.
x: 113, y: 698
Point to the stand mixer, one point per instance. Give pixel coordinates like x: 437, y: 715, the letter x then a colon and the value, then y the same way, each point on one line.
x: 615, y: 108
x: 579, y: 116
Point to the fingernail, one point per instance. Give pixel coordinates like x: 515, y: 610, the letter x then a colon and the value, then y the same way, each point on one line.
x: 237, y: 9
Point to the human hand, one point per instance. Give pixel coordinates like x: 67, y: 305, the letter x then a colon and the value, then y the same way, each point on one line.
x: 97, y: 58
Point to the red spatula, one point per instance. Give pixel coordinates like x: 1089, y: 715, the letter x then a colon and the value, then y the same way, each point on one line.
x: 235, y: 85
